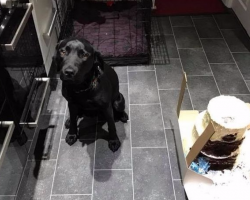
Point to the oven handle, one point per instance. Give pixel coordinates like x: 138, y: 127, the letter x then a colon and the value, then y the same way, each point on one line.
x: 12, y: 45
x: 11, y: 127
x: 53, y: 21
x: 34, y: 124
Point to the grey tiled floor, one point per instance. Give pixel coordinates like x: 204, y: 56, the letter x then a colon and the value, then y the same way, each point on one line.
x: 216, y: 61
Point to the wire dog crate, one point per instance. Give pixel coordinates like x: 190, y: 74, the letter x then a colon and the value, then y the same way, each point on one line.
x: 119, y: 30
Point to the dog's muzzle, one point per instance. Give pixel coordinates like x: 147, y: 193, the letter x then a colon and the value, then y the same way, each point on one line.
x: 68, y: 73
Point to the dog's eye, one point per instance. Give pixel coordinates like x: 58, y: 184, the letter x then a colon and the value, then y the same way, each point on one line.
x: 63, y: 52
x: 86, y: 55
x: 83, y: 55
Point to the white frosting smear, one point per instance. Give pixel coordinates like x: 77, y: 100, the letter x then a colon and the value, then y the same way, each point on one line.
x: 229, y: 111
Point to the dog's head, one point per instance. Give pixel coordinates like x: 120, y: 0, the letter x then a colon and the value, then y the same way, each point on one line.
x: 75, y: 58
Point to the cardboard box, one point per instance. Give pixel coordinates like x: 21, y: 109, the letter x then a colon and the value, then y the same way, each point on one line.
x: 191, y: 180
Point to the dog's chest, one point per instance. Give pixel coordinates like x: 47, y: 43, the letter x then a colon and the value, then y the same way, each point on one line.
x: 86, y: 103
x: 83, y: 100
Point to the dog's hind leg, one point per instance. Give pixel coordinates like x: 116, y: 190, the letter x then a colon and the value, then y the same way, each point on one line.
x: 119, y: 109
x: 114, y: 142
x: 71, y: 137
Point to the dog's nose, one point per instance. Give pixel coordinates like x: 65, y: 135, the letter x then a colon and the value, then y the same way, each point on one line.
x: 69, y: 72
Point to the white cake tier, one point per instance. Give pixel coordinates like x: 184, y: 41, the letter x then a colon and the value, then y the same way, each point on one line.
x: 229, y: 115
x: 229, y: 112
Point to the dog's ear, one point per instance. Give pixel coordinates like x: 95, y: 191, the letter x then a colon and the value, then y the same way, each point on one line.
x: 98, y: 63
x: 57, y: 58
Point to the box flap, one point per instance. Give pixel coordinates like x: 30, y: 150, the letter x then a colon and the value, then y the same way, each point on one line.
x: 186, y: 124
x: 199, y: 144
x: 191, y: 183
x: 182, y: 92
x: 248, y: 104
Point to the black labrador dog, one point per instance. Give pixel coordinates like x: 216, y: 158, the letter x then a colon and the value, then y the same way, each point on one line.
x: 90, y: 86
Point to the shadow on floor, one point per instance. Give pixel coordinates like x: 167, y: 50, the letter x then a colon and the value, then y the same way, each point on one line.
x: 91, y: 131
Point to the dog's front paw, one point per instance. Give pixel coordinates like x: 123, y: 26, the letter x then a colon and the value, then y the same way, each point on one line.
x: 71, y: 139
x: 67, y: 123
x: 114, y: 145
x: 124, y: 117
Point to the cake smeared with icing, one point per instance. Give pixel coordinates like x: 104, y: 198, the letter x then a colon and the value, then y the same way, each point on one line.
x: 230, y: 117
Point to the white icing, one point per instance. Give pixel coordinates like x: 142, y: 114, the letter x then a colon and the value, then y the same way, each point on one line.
x: 229, y: 112
x: 203, y: 120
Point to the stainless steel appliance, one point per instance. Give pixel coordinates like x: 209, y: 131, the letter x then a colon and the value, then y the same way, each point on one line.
x: 23, y: 86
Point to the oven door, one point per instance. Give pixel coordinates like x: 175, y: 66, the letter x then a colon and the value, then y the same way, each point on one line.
x: 22, y: 92
x: 12, y: 160
x: 45, y: 17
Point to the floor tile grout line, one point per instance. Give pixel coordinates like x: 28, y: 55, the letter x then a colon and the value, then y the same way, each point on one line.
x: 143, y: 70
x: 128, y: 103
x: 231, y: 54
x: 183, y: 26
x: 27, y: 160
x: 133, y: 187
x: 189, y: 97
x: 32, y: 160
x: 189, y: 48
x: 32, y: 140
x: 171, y: 89
x: 187, y: 90
x: 151, y: 70
x: 19, y: 185
x: 170, y: 59
x: 197, y: 17
x: 182, y: 68
x: 228, y: 29
x: 71, y: 194
x: 221, y: 38
x: 113, y: 169
x: 235, y: 94
x: 143, y: 104
x: 150, y: 147
x: 58, y: 151
x: 208, y: 60
x: 93, y: 178
x: 198, y: 75
x: 232, y: 63
x: 164, y: 34
x: 163, y: 126
x: 247, y: 52
x: 14, y: 196
x: 88, y: 139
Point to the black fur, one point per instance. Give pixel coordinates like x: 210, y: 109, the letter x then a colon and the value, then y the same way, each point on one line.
x: 90, y: 86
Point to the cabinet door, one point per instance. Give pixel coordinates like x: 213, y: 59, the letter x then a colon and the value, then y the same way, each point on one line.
x: 44, y: 17
x: 242, y: 10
